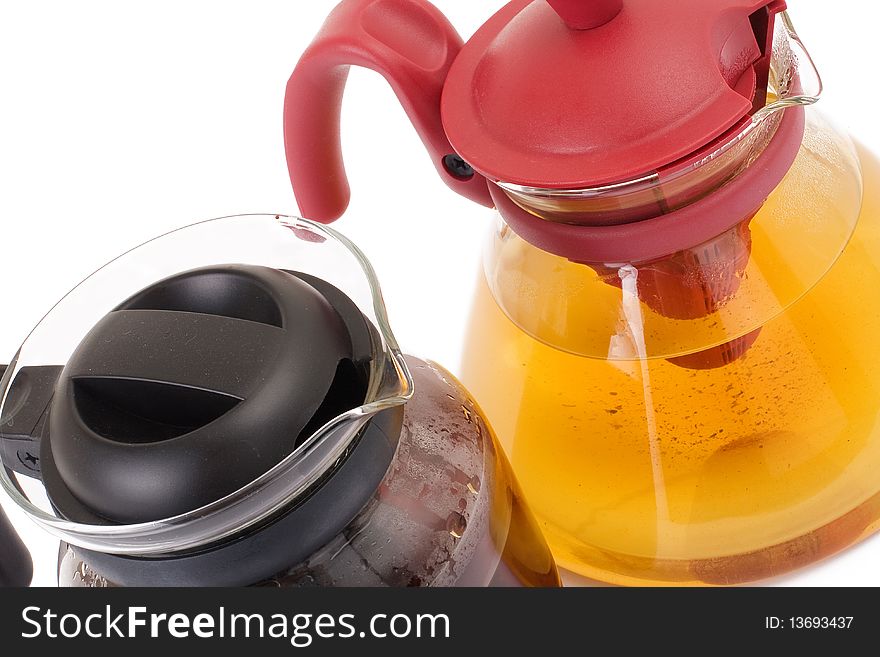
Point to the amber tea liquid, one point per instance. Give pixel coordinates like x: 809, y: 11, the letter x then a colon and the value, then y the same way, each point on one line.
x: 642, y: 471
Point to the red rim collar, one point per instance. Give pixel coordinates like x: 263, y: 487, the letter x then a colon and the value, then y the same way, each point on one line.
x: 685, y: 228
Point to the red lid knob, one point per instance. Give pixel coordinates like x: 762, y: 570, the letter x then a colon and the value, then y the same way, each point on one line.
x: 586, y: 14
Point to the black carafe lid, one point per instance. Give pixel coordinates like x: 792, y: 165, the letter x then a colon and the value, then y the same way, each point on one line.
x: 196, y: 386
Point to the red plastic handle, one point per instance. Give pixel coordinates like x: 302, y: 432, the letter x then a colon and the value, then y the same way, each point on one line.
x: 413, y: 46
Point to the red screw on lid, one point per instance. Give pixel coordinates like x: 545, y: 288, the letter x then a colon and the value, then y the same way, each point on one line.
x: 535, y: 99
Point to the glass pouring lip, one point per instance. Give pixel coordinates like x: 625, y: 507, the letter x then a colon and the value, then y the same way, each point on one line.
x: 790, y: 56
x: 272, y: 491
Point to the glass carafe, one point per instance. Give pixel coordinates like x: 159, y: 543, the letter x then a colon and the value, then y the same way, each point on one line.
x: 170, y: 359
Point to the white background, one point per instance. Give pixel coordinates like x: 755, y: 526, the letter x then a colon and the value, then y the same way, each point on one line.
x: 122, y: 120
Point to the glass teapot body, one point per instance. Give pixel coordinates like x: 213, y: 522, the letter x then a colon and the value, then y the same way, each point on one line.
x: 717, y: 447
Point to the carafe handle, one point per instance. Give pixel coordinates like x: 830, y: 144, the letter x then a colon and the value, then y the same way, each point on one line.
x: 16, y: 567
x: 412, y: 45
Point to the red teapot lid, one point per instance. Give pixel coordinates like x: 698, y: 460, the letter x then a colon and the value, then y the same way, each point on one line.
x: 581, y: 93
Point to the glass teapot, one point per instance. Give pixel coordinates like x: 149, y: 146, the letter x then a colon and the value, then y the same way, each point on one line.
x: 226, y: 405
x: 671, y: 336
